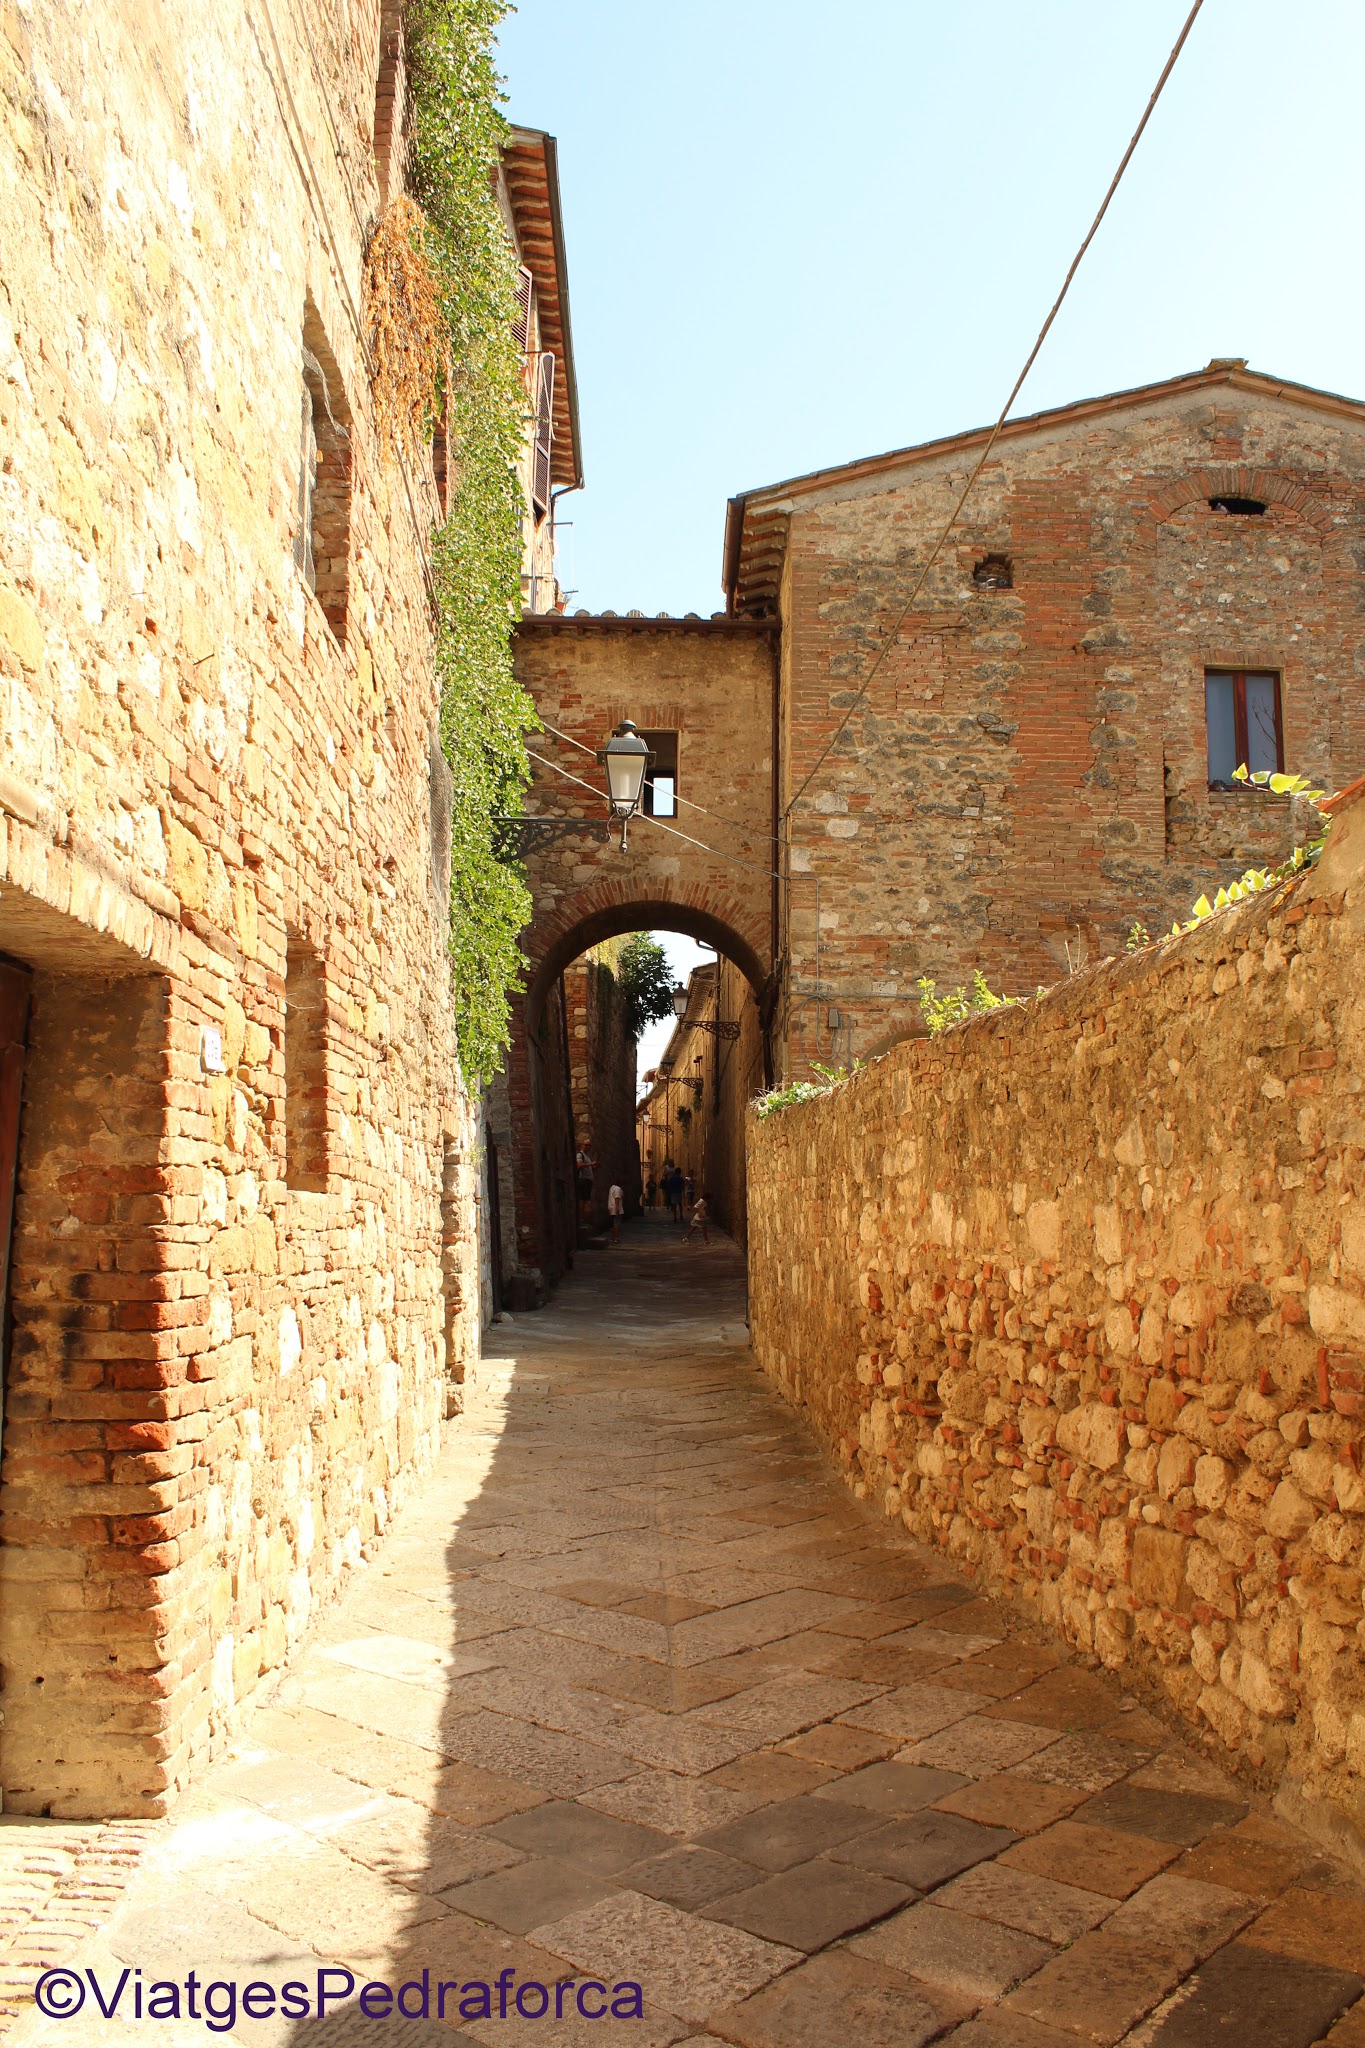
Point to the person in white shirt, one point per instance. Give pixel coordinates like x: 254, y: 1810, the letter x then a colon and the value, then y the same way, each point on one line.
x: 700, y: 1222
x: 616, y: 1209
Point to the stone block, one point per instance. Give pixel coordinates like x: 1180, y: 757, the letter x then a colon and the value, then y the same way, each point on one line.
x: 1157, y: 1574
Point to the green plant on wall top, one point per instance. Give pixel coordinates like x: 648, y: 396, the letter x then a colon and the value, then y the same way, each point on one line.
x: 939, y: 1011
x: 1256, y: 879
x: 791, y: 1092
x: 446, y: 278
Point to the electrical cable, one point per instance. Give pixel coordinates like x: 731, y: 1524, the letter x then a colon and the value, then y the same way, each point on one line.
x: 890, y: 638
x: 721, y: 817
x: 643, y: 817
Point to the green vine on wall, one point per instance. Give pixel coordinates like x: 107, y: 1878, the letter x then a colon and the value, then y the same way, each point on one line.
x: 457, y: 136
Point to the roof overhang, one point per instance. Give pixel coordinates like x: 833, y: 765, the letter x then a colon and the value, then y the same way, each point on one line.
x: 756, y: 521
x: 530, y: 165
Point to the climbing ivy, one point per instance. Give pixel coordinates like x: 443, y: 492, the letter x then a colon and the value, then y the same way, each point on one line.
x: 457, y: 135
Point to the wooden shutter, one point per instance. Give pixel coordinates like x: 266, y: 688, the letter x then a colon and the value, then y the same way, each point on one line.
x: 545, y: 397
x: 521, y: 326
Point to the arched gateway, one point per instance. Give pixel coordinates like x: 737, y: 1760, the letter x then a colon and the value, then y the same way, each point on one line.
x: 702, y: 691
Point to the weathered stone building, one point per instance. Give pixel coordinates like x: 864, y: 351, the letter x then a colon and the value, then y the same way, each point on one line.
x: 701, y: 690
x: 1143, y: 590
x: 243, y: 1267
x: 711, y: 1069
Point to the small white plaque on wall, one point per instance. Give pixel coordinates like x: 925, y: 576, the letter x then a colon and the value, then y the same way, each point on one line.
x: 211, y: 1049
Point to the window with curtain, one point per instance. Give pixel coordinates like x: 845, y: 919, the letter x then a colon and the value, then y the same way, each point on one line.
x: 1242, y: 715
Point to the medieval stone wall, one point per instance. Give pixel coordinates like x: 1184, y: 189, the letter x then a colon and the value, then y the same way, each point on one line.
x: 1077, y: 1292
x: 1028, y: 771
x: 245, y: 1173
x: 602, y: 1076
x: 710, y: 682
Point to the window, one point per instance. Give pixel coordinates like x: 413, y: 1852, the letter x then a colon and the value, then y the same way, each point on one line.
x: 440, y: 458
x: 540, y: 459
x: 995, y: 572
x: 305, y: 1067
x: 521, y: 326
x: 322, y: 544
x: 1244, y: 508
x: 390, y: 103
x: 1242, y: 711
x: 661, y: 777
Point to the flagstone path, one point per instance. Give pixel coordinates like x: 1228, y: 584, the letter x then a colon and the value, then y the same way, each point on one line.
x: 636, y: 1692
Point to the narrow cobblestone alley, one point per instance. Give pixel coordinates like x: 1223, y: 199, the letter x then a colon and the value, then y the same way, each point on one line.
x: 636, y: 1691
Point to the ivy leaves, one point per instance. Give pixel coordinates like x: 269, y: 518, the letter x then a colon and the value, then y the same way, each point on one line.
x: 458, y: 133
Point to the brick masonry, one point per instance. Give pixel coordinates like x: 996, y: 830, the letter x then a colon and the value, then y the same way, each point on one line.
x: 1028, y: 773
x: 602, y: 1076
x: 1078, y: 1293
x: 233, y: 1328
x: 711, y: 682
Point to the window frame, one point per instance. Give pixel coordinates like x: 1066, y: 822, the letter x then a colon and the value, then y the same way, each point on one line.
x: 665, y: 746
x: 1241, y: 746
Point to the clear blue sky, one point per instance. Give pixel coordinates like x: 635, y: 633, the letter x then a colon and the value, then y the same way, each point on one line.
x: 800, y: 232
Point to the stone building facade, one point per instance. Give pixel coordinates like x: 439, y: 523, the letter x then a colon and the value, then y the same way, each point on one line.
x: 701, y: 690
x: 1028, y: 771
x: 243, y: 1270
x: 712, y: 1076
x: 602, y: 1077
x: 1141, y: 588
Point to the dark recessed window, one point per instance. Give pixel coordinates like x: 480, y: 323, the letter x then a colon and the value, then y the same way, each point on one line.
x: 1244, y: 508
x: 996, y: 572
x: 661, y: 777
x: 305, y: 1067
x: 322, y: 542
x: 1242, y: 712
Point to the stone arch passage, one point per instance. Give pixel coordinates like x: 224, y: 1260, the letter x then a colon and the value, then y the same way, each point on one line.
x: 710, y: 683
x: 611, y: 921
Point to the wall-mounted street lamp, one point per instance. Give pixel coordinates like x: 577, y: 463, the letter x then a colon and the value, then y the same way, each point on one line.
x: 626, y: 759
x: 718, y: 1028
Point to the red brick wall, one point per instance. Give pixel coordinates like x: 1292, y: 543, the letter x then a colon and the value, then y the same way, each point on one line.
x: 223, y: 1377
x: 1027, y: 774
x: 602, y: 1076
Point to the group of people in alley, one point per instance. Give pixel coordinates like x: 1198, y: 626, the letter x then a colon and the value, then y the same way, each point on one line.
x: 679, y: 1193
x: 677, y: 1189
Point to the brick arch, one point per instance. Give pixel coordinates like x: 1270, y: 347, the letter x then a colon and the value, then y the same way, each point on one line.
x: 606, y: 911
x: 1271, y: 486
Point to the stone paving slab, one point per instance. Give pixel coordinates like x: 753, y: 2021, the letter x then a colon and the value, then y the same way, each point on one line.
x: 637, y: 1692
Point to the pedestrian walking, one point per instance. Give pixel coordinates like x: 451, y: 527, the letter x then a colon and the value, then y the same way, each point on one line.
x: 651, y: 1192
x: 701, y: 1219
x: 689, y: 1192
x: 583, y: 1172
x: 616, y: 1209
x: 673, y: 1187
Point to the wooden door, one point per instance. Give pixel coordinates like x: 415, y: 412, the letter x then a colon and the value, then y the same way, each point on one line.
x: 15, y: 982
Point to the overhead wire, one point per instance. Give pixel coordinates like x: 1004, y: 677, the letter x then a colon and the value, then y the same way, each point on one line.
x: 644, y: 817
x: 721, y: 817
x: 889, y: 639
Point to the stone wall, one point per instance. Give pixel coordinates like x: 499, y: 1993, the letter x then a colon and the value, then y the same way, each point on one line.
x: 1077, y: 1292
x: 1065, y: 709
x: 710, y: 681
x: 231, y: 1322
x: 602, y: 1076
